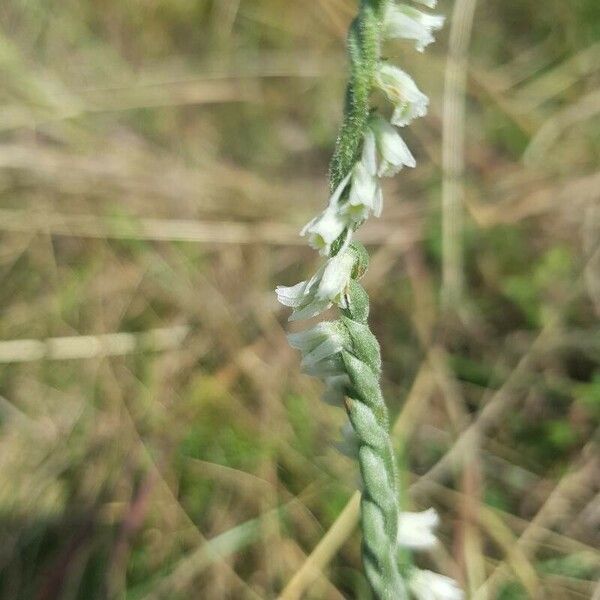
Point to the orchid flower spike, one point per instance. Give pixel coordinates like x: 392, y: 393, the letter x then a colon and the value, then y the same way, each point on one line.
x: 400, y: 89
x: 427, y: 585
x: 392, y: 151
x: 404, y: 21
x: 325, y: 288
x: 345, y: 353
x: 416, y: 530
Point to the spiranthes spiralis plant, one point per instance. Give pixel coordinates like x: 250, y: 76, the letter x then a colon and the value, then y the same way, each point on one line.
x: 344, y: 352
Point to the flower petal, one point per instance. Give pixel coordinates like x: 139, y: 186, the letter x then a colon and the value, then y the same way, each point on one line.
x: 401, y: 90
x: 404, y: 21
x: 323, y: 230
x: 336, y: 276
x: 291, y: 296
x: 416, y: 530
x: 427, y: 585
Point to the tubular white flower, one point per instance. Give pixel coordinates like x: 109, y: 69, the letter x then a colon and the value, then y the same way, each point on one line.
x: 428, y: 3
x: 404, y: 21
x: 325, y: 288
x: 410, y: 103
x: 320, y: 343
x: 324, y: 229
x: 427, y: 585
x: 366, y: 196
x: 416, y: 529
x: 393, y: 151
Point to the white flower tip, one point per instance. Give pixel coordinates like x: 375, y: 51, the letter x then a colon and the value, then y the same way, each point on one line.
x: 427, y: 585
x: 291, y: 296
x: 416, y: 530
x: 437, y: 21
x: 431, y: 517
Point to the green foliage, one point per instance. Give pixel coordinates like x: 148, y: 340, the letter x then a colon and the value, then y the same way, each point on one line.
x: 589, y: 394
x: 512, y: 591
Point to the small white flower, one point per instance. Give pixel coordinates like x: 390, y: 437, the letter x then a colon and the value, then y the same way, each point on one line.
x: 369, y: 153
x: 327, y: 227
x: 326, y: 287
x: 348, y: 445
x: 416, y: 530
x: 426, y: 585
x: 365, y: 196
x: 404, y: 21
x: 335, y: 390
x: 393, y: 152
x: 410, y: 103
x: 324, y: 229
x: 319, y: 345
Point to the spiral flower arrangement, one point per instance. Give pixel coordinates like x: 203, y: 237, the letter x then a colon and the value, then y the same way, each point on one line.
x: 345, y: 353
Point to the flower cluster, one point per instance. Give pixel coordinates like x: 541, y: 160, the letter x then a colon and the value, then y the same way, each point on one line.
x: 358, y: 196
x: 384, y: 152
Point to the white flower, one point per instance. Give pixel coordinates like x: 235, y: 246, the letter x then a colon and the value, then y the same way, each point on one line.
x: 320, y: 346
x: 392, y: 150
x: 325, y: 229
x: 326, y: 287
x: 404, y: 21
x: 415, y: 530
x: 426, y: 585
x: 365, y: 196
x: 402, y: 91
x: 349, y: 444
x: 335, y: 390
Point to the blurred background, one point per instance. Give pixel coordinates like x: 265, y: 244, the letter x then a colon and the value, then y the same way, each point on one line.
x: 157, y: 159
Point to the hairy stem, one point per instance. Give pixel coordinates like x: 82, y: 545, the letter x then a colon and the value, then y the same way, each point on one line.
x: 364, y: 41
x: 368, y: 414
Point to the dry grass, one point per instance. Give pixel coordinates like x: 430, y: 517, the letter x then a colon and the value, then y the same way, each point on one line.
x: 158, y: 440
